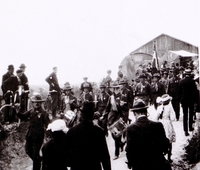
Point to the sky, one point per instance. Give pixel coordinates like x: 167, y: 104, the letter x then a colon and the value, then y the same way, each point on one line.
x: 87, y: 37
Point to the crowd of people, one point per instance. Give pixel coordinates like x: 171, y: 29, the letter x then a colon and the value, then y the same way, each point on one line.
x: 79, y: 125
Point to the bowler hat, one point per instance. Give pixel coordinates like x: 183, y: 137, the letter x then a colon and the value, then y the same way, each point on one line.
x: 19, y: 71
x: 85, y: 78
x: 10, y: 67
x: 37, y: 98
x: 22, y: 66
x: 139, y: 105
x: 67, y: 87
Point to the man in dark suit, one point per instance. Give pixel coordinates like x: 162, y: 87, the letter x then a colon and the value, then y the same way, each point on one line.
x: 146, y: 141
x: 54, y: 90
x: 86, y: 82
x: 10, y: 85
x: 126, y: 98
x: 188, y: 97
x: 6, y: 76
x: 25, y: 85
x: 85, y: 144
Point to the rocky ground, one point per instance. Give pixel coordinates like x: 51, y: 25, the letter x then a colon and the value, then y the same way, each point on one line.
x: 13, y: 156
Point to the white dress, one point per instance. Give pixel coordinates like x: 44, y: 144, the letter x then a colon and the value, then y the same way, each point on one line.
x: 167, y: 117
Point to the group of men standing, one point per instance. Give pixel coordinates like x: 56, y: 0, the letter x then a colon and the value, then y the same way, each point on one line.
x: 15, y: 90
x: 113, y: 103
x: 179, y: 83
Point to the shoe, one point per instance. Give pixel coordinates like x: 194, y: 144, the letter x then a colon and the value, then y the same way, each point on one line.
x: 116, y: 157
x: 186, y: 133
x: 191, y: 129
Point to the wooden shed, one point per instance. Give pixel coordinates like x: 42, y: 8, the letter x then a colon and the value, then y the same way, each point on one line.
x: 165, y: 46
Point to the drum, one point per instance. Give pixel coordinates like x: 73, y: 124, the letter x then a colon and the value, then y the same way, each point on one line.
x: 69, y: 115
x: 118, y: 127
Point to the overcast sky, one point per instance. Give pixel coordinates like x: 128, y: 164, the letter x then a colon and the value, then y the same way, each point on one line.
x: 87, y: 37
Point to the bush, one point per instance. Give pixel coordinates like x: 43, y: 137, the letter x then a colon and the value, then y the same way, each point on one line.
x: 192, y: 150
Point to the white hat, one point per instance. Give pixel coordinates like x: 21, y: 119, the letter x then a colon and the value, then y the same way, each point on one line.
x: 166, y: 98
x: 58, y: 125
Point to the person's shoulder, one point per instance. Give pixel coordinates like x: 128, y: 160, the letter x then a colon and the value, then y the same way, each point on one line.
x: 47, y: 145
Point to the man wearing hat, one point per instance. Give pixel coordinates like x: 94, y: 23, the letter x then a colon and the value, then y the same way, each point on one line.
x: 24, y: 83
x: 173, y: 91
x: 68, y: 99
x: 157, y: 88
x: 102, y: 100
x: 86, y: 82
x: 10, y: 85
x: 53, y: 155
x: 54, y: 90
x: 6, y: 76
x: 38, y: 121
x: 143, y: 90
x: 146, y: 141
x: 188, y: 97
x: 127, y: 99
x: 108, y: 79
x: 85, y: 144
x: 114, y: 113
x: 165, y: 80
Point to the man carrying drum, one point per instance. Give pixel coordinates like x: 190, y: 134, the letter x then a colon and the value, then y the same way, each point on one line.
x: 102, y: 100
x: 114, y: 113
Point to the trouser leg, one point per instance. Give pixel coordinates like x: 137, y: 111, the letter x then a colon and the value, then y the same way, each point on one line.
x: 32, y: 148
x: 191, y: 115
x: 54, y: 104
x: 185, y: 118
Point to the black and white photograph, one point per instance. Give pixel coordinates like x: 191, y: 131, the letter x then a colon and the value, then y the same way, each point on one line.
x: 99, y: 85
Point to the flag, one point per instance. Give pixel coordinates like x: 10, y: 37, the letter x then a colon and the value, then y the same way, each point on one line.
x: 155, y: 63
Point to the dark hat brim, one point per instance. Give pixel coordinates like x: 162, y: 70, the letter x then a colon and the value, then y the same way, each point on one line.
x: 141, y: 108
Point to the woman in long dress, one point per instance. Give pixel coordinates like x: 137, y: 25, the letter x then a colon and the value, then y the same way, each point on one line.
x: 166, y: 115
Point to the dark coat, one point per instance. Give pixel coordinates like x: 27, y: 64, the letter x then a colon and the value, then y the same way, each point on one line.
x: 126, y: 97
x: 5, y: 77
x: 86, y: 147
x: 159, y: 91
x: 173, y: 88
x: 38, y: 121
x: 188, y: 91
x: 102, y: 101
x: 111, y: 114
x: 52, y: 79
x: 53, y: 154
x: 146, y: 143
x: 24, y: 81
x: 11, y: 83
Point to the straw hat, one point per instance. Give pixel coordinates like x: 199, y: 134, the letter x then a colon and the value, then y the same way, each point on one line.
x: 166, y: 98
